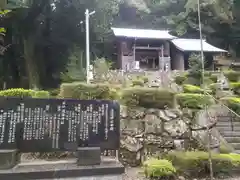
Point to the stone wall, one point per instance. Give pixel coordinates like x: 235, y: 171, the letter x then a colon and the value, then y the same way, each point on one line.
x: 151, y: 131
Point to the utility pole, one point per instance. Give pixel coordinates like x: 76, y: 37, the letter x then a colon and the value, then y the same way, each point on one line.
x: 87, y: 15
x: 205, y: 93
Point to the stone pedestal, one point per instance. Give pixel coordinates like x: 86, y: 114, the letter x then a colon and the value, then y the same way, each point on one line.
x: 87, y: 156
x: 8, y: 158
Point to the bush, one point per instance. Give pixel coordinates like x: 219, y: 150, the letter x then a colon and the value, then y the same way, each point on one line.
x: 233, y: 76
x: 187, y: 88
x: 214, y: 87
x: 86, y: 91
x: 19, y: 92
x: 179, y: 80
x: 145, y: 79
x: 161, y: 169
x: 137, y: 82
x: 233, y: 103
x: 214, y: 78
x: 147, y: 97
x: 196, y: 163
x: 194, y: 101
x: 54, y: 92
x: 235, y: 87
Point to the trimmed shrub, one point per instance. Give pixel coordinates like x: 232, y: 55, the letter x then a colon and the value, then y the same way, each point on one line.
x: 235, y: 87
x: 214, y: 78
x: 196, y: 163
x: 19, y: 92
x: 233, y: 103
x: 214, y: 87
x: 137, y: 82
x: 194, y: 101
x: 233, y: 76
x: 54, y: 92
x: 179, y: 80
x: 159, y: 169
x: 86, y: 91
x: 187, y: 88
x: 147, y: 97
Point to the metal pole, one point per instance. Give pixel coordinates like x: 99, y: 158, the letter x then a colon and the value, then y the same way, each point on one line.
x: 201, y: 40
x: 87, y: 44
x: 203, y: 74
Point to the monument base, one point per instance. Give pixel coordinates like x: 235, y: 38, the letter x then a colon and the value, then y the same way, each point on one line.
x: 41, y: 169
x: 87, y: 156
x: 8, y: 158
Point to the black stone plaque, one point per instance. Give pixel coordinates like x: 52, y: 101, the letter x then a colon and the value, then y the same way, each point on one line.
x: 36, y: 125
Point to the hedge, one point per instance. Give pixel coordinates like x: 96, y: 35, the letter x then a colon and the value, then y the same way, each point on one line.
x: 235, y: 87
x: 188, y: 88
x: 179, y: 80
x: 159, y: 169
x: 233, y: 103
x: 196, y: 163
x: 138, y: 82
x: 193, y: 101
x: 233, y: 76
x: 86, y: 91
x: 147, y: 97
x: 19, y: 92
x: 213, y: 78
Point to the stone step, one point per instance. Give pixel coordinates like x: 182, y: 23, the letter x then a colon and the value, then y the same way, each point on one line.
x: 228, y: 128
x: 232, y: 139
x: 230, y: 134
x: 220, y: 124
x: 236, y: 146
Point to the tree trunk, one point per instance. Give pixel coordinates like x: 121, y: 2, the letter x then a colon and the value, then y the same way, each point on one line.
x: 31, y: 68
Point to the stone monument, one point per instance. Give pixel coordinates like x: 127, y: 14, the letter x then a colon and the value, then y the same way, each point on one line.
x: 86, y: 127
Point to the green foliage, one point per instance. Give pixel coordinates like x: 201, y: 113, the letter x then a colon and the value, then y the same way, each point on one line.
x: 233, y: 103
x: 179, y: 80
x: 235, y: 87
x: 196, y: 163
x: 214, y: 87
x: 74, y: 69
x: 214, y: 78
x: 187, y: 88
x: 137, y: 82
x: 24, y: 93
x: 233, y: 76
x: 147, y: 97
x: 193, y: 101
x: 86, y: 91
x: 145, y: 79
x: 54, y: 92
x: 159, y: 168
x: 101, y: 70
x: 195, y: 68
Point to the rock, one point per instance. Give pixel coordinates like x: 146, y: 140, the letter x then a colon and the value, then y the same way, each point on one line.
x: 176, y: 128
x: 131, y: 144
x: 181, y: 178
x: 179, y: 144
x: 170, y: 114
x: 123, y: 112
x: 136, y: 113
x: 163, y: 116
x: 152, y: 124
x: 151, y: 111
x: 132, y: 127
x: 158, y: 141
